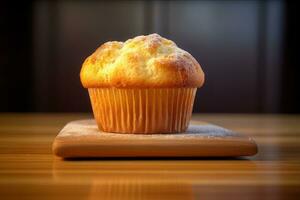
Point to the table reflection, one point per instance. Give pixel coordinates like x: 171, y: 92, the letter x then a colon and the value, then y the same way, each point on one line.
x: 159, y: 179
x: 140, y: 189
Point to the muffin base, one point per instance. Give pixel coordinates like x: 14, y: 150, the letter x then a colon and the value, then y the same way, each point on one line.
x: 146, y: 111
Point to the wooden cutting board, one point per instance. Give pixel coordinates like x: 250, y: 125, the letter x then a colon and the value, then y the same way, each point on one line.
x: 83, y: 139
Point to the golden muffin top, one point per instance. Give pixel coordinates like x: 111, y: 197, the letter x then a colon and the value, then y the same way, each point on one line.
x: 149, y: 61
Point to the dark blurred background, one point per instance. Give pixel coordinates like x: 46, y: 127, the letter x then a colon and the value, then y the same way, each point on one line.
x: 248, y: 50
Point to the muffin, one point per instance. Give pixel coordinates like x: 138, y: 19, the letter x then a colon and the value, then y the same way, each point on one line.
x: 143, y: 85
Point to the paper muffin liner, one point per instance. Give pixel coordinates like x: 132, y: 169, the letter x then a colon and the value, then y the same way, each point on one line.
x: 157, y: 110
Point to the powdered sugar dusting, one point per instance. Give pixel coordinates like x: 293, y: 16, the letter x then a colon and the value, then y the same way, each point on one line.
x: 83, y: 128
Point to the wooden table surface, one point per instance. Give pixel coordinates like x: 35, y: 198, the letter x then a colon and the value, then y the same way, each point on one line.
x: 28, y: 170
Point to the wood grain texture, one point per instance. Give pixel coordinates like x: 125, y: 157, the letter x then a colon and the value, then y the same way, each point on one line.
x: 82, y: 138
x: 28, y: 170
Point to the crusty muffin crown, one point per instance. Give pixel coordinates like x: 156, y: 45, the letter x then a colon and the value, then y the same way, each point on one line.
x: 149, y: 61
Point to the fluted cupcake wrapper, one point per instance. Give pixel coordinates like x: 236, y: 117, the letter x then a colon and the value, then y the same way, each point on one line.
x: 157, y: 110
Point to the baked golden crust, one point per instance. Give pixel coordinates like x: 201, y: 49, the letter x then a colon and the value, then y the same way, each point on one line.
x: 142, y: 62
